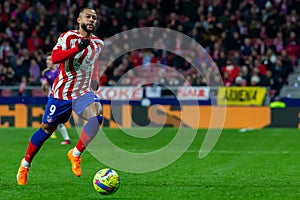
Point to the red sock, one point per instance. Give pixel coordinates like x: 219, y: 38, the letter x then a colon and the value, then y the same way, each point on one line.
x: 36, y: 142
x: 80, y: 146
x: 31, y: 151
x: 88, y: 132
x: 83, y: 141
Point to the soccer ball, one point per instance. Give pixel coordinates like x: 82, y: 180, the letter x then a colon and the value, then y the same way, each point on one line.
x: 106, y: 181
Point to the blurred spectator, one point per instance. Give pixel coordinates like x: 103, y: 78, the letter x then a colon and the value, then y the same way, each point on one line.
x: 127, y: 78
x: 253, y: 35
x: 34, y: 42
x: 22, y: 86
x: 271, y: 58
x: 117, y: 74
x: 292, y: 48
x: 21, y: 39
x: 240, y: 81
x: 188, y: 80
x: 216, y: 80
x: 21, y: 69
x: 5, y: 50
x: 221, y: 61
x: 227, y: 80
x: 268, y: 80
x: 279, y: 72
x: 287, y: 63
x: 2, y: 75
x: 135, y: 58
x: 200, y: 81
x: 34, y: 73
x: 231, y: 70
x: 254, y: 80
x: 237, y: 59
x: 278, y: 43
x: 246, y: 48
x: 259, y: 46
x: 148, y: 58
x: 235, y: 42
x: 9, y: 75
x: 245, y: 74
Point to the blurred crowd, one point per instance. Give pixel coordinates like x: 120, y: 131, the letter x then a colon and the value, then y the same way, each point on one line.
x: 252, y: 42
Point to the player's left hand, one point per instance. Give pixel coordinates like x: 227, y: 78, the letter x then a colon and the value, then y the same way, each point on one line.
x: 83, y: 44
x: 94, y: 85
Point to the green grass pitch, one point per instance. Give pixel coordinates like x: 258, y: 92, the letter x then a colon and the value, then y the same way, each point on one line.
x: 258, y: 164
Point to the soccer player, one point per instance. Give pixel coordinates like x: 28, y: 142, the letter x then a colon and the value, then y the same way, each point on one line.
x: 77, y: 53
x: 48, y: 77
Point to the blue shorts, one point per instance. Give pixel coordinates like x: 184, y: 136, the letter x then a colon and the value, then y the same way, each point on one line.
x: 58, y: 111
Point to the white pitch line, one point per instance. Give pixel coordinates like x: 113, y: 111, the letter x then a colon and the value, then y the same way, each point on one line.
x: 253, y: 152
x: 212, y: 152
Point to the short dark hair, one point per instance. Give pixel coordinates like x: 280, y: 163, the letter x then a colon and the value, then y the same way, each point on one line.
x: 85, y: 8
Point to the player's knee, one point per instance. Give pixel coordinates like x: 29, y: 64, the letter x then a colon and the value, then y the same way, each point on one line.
x: 98, y: 108
x: 94, y: 109
x: 48, y: 129
x: 99, y: 112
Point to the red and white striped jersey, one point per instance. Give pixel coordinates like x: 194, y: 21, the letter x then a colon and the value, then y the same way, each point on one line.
x: 76, y: 69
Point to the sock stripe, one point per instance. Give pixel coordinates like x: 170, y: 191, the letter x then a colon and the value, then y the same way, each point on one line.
x: 88, y: 132
x: 36, y: 141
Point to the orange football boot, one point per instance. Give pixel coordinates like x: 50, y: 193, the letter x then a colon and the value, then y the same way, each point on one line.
x: 22, y: 175
x: 75, y: 161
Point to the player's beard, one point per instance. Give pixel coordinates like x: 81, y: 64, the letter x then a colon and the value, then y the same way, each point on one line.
x: 83, y: 26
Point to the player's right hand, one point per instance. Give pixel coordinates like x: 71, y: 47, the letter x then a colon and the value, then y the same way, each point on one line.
x: 83, y: 44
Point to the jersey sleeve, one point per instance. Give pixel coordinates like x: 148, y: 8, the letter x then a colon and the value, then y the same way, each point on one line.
x: 61, y: 52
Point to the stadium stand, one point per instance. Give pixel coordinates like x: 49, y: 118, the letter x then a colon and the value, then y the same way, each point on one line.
x: 263, y: 32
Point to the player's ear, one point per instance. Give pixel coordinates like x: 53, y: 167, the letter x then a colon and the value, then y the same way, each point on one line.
x: 78, y: 20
